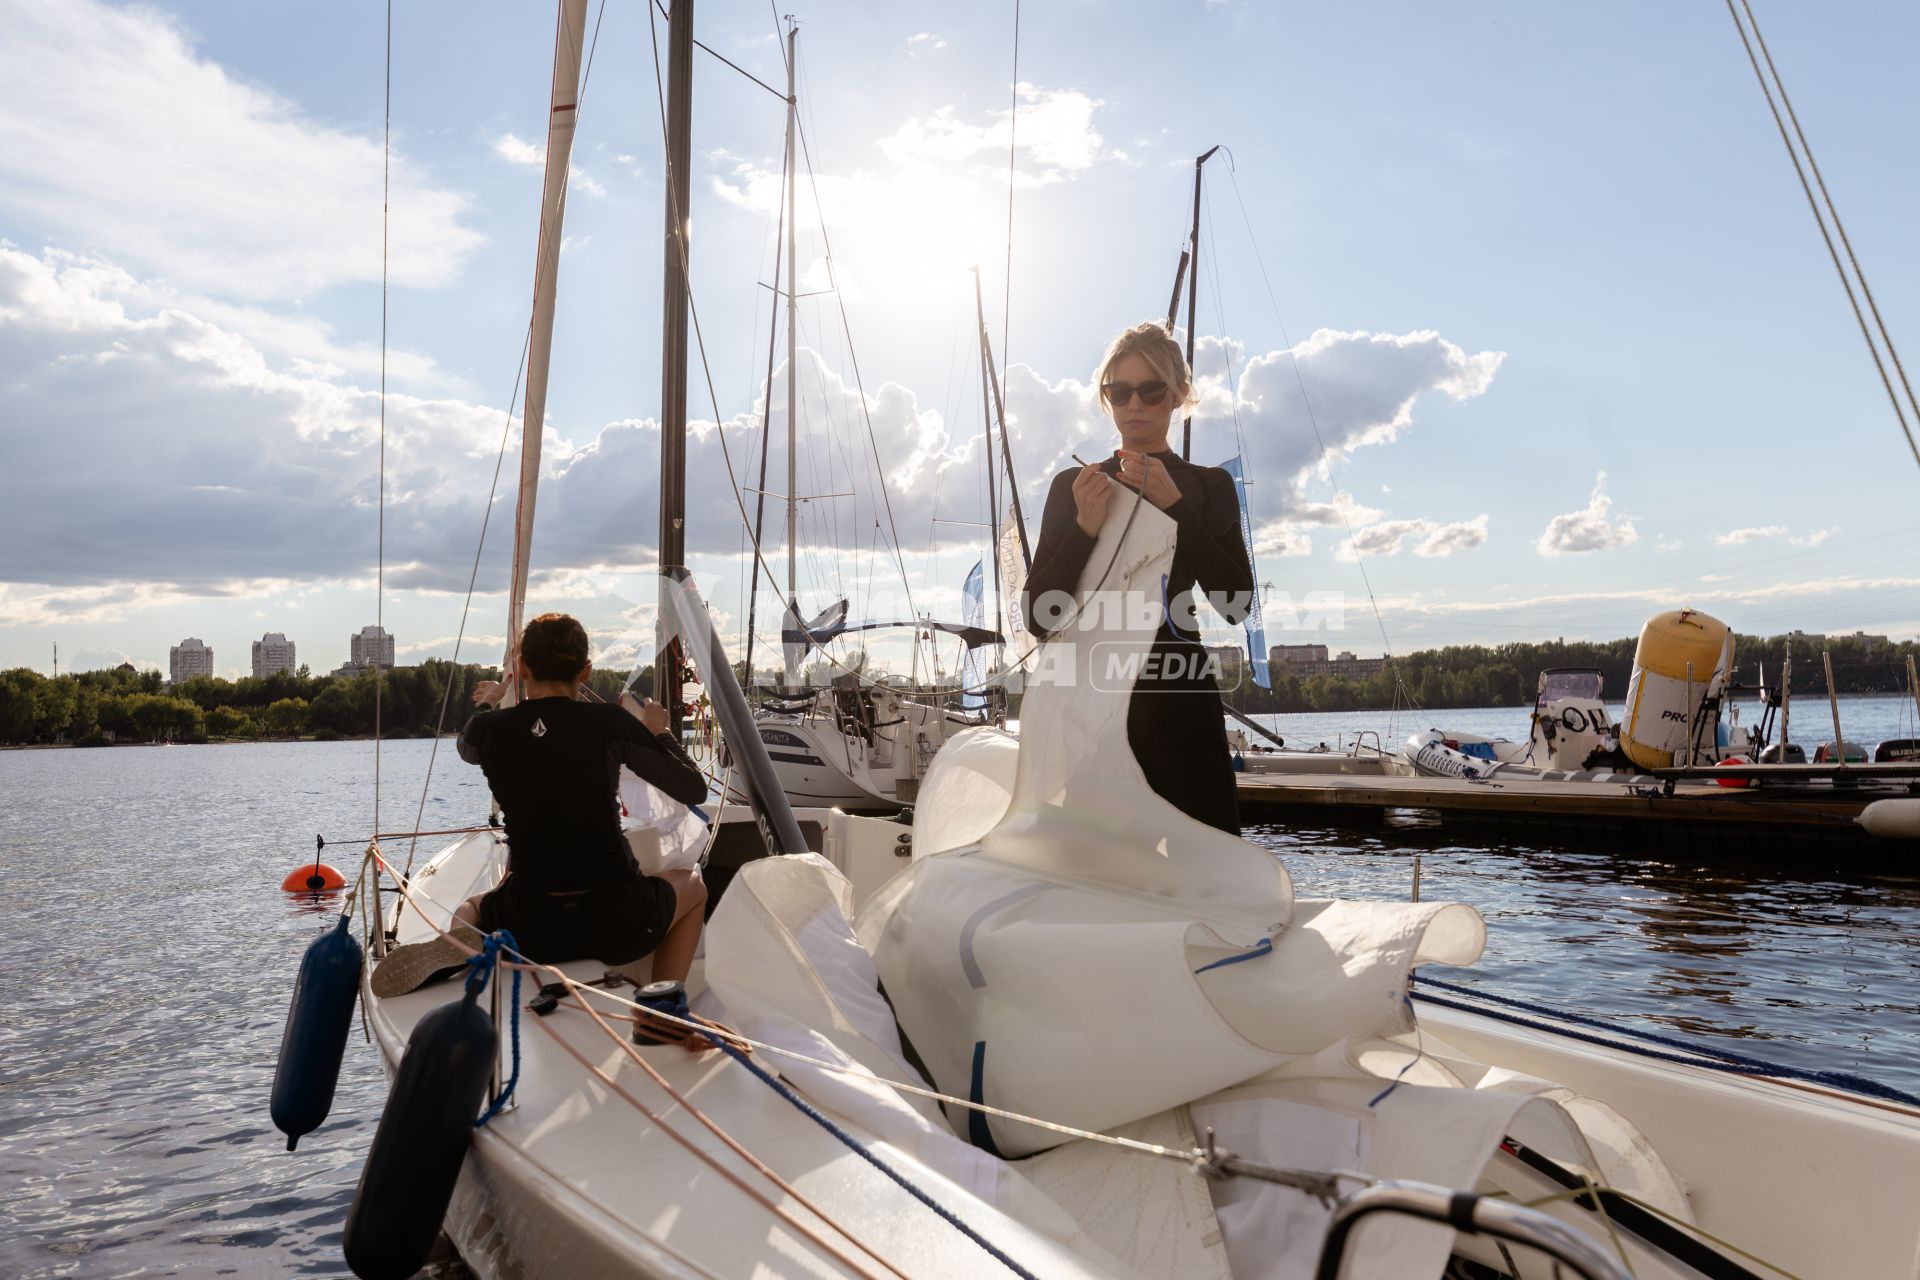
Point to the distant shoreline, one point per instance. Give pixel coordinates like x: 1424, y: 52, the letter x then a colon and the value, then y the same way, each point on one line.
x: 217, y: 742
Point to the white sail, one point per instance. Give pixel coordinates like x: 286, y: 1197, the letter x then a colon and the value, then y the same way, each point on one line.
x: 562, y: 116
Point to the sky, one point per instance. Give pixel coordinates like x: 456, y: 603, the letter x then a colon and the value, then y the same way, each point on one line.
x: 1518, y: 317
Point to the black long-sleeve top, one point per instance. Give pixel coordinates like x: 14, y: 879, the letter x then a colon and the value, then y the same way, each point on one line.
x: 1208, y: 552
x: 554, y: 765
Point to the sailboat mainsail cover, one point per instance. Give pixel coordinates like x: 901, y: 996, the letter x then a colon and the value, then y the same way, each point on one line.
x: 1097, y: 956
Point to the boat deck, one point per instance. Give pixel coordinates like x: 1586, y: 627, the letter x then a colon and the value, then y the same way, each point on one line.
x: 1696, y: 817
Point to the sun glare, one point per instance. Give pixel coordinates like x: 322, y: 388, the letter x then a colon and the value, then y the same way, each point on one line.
x: 915, y: 232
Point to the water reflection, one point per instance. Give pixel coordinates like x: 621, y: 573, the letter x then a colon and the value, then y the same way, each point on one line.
x: 1824, y: 968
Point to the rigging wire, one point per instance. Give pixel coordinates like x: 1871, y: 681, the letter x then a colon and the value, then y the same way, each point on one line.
x: 766, y: 416
x: 493, y: 491
x: 380, y: 568
x: 657, y: 4
x: 1013, y: 126
x: 706, y: 368
x: 853, y: 357
x: 1832, y: 211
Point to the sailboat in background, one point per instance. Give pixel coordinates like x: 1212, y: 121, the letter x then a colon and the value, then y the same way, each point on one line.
x: 859, y: 743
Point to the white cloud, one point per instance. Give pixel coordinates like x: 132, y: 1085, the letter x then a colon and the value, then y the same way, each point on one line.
x: 514, y: 149
x: 1382, y: 539
x: 1668, y: 544
x: 1589, y: 529
x: 1462, y: 535
x: 116, y: 133
x: 157, y: 396
x: 1761, y: 533
x: 442, y: 645
x: 1386, y: 538
x: 925, y: 40
x: 1054, y: 136
x: 1281, y: 538
x: 1738, y: 537
x: 114, y: 601
x: 1662, y: 597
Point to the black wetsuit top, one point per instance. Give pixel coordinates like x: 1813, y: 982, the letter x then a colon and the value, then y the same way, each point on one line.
x: 554, y: 765
x: 1174, y: 721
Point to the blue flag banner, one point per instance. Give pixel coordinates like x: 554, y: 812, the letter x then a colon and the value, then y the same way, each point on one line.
x: 1256, y: 627
x: 973, y: 613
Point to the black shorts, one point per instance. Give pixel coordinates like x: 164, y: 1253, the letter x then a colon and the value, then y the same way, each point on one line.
x: 612, y: 923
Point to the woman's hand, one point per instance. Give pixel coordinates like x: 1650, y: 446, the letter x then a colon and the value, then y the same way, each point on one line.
x: 1090, y: 495
x: 1148, y: 475
x: 488, y: 693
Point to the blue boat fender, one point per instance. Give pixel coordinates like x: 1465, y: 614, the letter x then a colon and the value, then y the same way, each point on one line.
x: 423, y: 1137
x: 315, y: 1039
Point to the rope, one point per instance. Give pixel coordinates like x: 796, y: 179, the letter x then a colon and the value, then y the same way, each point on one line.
x: 1689, y: 1055
x: 858, y: 1148
x: 1832, y: 211
x: 480, y: 967
x: 759, y: 1166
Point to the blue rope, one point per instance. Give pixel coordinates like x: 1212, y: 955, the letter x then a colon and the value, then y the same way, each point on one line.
x: 853, y: 1144
x: 1738, y: 1063
x: 480, y: 967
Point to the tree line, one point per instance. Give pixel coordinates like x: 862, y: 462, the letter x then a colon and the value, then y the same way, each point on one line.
x: 99, y: 707
x: 1508, y: 675
x: 95, y: 708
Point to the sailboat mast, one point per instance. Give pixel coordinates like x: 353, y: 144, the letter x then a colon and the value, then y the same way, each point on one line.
x: 1193, y: 293
x: 986, y: 424
x: 793, y: 372
x: 1006, y: 443
x: 561, y: 119
x: 673, y: 346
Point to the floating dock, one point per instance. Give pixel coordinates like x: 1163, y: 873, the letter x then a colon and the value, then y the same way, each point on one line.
x: 1675, y: 813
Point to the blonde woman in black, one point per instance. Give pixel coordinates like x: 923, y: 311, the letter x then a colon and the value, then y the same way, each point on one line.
x: 1175, y: 725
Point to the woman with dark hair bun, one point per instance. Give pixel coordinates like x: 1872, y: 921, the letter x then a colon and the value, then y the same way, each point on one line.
x: 572, y: 890
x: 1174, y: 720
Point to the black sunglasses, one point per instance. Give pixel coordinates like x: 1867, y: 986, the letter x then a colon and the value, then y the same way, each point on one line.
x: 1120, y: 394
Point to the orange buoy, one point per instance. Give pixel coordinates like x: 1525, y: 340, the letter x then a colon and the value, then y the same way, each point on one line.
x: 1734, y: 782
x: 313, y: 877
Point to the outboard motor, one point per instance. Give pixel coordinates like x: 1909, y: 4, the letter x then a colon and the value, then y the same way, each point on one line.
x: 1680, y: 670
